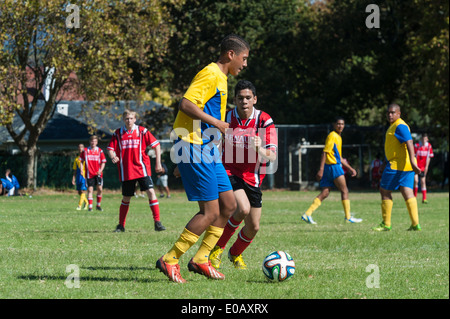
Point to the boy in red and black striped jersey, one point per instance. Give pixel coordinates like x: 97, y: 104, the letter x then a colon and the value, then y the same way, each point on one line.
x: 250, y: 143
x: 127, y: 149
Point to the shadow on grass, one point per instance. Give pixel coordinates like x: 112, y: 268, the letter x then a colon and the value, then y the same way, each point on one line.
x: 99, y: 278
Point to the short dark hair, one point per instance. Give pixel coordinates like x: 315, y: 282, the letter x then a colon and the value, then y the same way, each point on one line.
x: 338, y: 118
x: 235, y: 43
x: 242, y: 85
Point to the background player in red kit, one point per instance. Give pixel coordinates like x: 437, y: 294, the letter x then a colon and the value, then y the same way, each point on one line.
x: 424, y: 152
x: 95, y: 162
x: 127, y: 149
x: 250, y: 142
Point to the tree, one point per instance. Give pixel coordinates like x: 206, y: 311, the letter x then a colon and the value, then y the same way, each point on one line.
x: 98, y: 41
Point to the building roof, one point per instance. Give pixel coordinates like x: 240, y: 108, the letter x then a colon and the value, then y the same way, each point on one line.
x: 71, y: 124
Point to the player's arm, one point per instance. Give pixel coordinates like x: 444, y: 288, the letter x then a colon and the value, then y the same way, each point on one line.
x: 74, y: 169
x: 194, y: 112
x: 113, y: 156
x: 322, y: 166
x: 158, y: 166
x: 412, y: 159
x: 263, y: 152
x: 349, y: 168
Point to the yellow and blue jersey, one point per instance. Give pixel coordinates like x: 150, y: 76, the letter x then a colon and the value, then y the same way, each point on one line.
x: 395, y: 149
x: 79, y: 167
x: 333, y: 148
x: 208, y: 90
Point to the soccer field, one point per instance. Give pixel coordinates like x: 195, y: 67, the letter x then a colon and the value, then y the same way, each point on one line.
x: 45, y: 242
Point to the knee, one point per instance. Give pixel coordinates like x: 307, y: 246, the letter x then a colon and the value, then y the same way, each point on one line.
x: 325, y: 193
x: 229, y: 208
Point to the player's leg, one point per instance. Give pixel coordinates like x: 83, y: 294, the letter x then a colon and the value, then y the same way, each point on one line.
x: 423, y: 188
x: 128, y: 188
x: 99, y: 193
x: 411, y: 205
x: 90, y: 193
x: 146, y: 185
x: 81, y: 199
x: 341, y: 185
x: 245, y: 238
x: 232, y: 224
x: 325, y: 192
x: 386, y: 210
x: 416, y: 184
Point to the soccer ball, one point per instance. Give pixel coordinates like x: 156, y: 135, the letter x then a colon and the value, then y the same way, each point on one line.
x: 278, y: 266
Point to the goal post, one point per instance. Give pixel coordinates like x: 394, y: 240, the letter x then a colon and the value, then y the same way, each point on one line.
x: 298, y: 155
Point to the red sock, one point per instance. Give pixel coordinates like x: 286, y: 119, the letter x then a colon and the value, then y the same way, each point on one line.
x: 154, y: 206
x: 424, y: 194
x: 99, y: 199
x: 228, y: 231
x: 90, y: 201
x: 123, y: 211
x: 240, y: 244
x: 416, y: 189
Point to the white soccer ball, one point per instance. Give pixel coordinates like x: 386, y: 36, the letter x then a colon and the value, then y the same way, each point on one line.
x: 278, y: 266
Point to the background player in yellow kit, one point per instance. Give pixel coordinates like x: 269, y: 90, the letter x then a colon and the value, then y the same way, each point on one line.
x: 398, y: 170
x: 331, y: 174
x: 79, y: 178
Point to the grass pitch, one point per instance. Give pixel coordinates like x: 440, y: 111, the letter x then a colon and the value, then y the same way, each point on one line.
x: 45, y: 243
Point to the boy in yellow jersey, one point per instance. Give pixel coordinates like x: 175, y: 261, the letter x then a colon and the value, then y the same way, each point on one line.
x: 198, y: 128
x: 331, y: 174
x: 79, y: 178
x: 398, y: 170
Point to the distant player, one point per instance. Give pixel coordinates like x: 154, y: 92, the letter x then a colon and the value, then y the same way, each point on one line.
x: 332, y: 174
x: 79, y: 178
x: 398, y: 171
x: 424, y: 152
x: 198, y: 126
x: 95, y: 161
x: 250, y: 142
x: 127, y: 149
x: 375, y: 171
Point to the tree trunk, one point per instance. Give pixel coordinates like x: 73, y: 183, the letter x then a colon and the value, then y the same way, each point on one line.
x: 30, y: 161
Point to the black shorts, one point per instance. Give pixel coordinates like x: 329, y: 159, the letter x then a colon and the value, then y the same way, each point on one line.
x: 129, y: 187
x: 96, y: 180
x: 253, y: 193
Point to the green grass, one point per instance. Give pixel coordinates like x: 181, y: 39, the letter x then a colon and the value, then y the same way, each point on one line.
x: 41, y: 236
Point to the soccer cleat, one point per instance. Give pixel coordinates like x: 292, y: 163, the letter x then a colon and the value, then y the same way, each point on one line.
x: 382, y: 227
x: 237, y: 261
x: 308, y: 219
x: 119, y: 229
x: 159, y: 226
x: 79, y: 208
x: 99, y: 208
x: 216, y: 257
x: 206, y: 270
x: 425, y: 201
x: 171, y: 271
x: 353, y: 220
x: 90, y: 209
x: 415, y: 228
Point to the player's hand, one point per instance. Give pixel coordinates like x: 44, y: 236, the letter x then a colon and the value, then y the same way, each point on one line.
x: 416, y: 169
x: 222, y: 126
x: 353, y: 172
x: 176, y: 172
x: 255, y: 143
x: 159, y: 169
x: 319, y: 175
x: 115, y: 160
